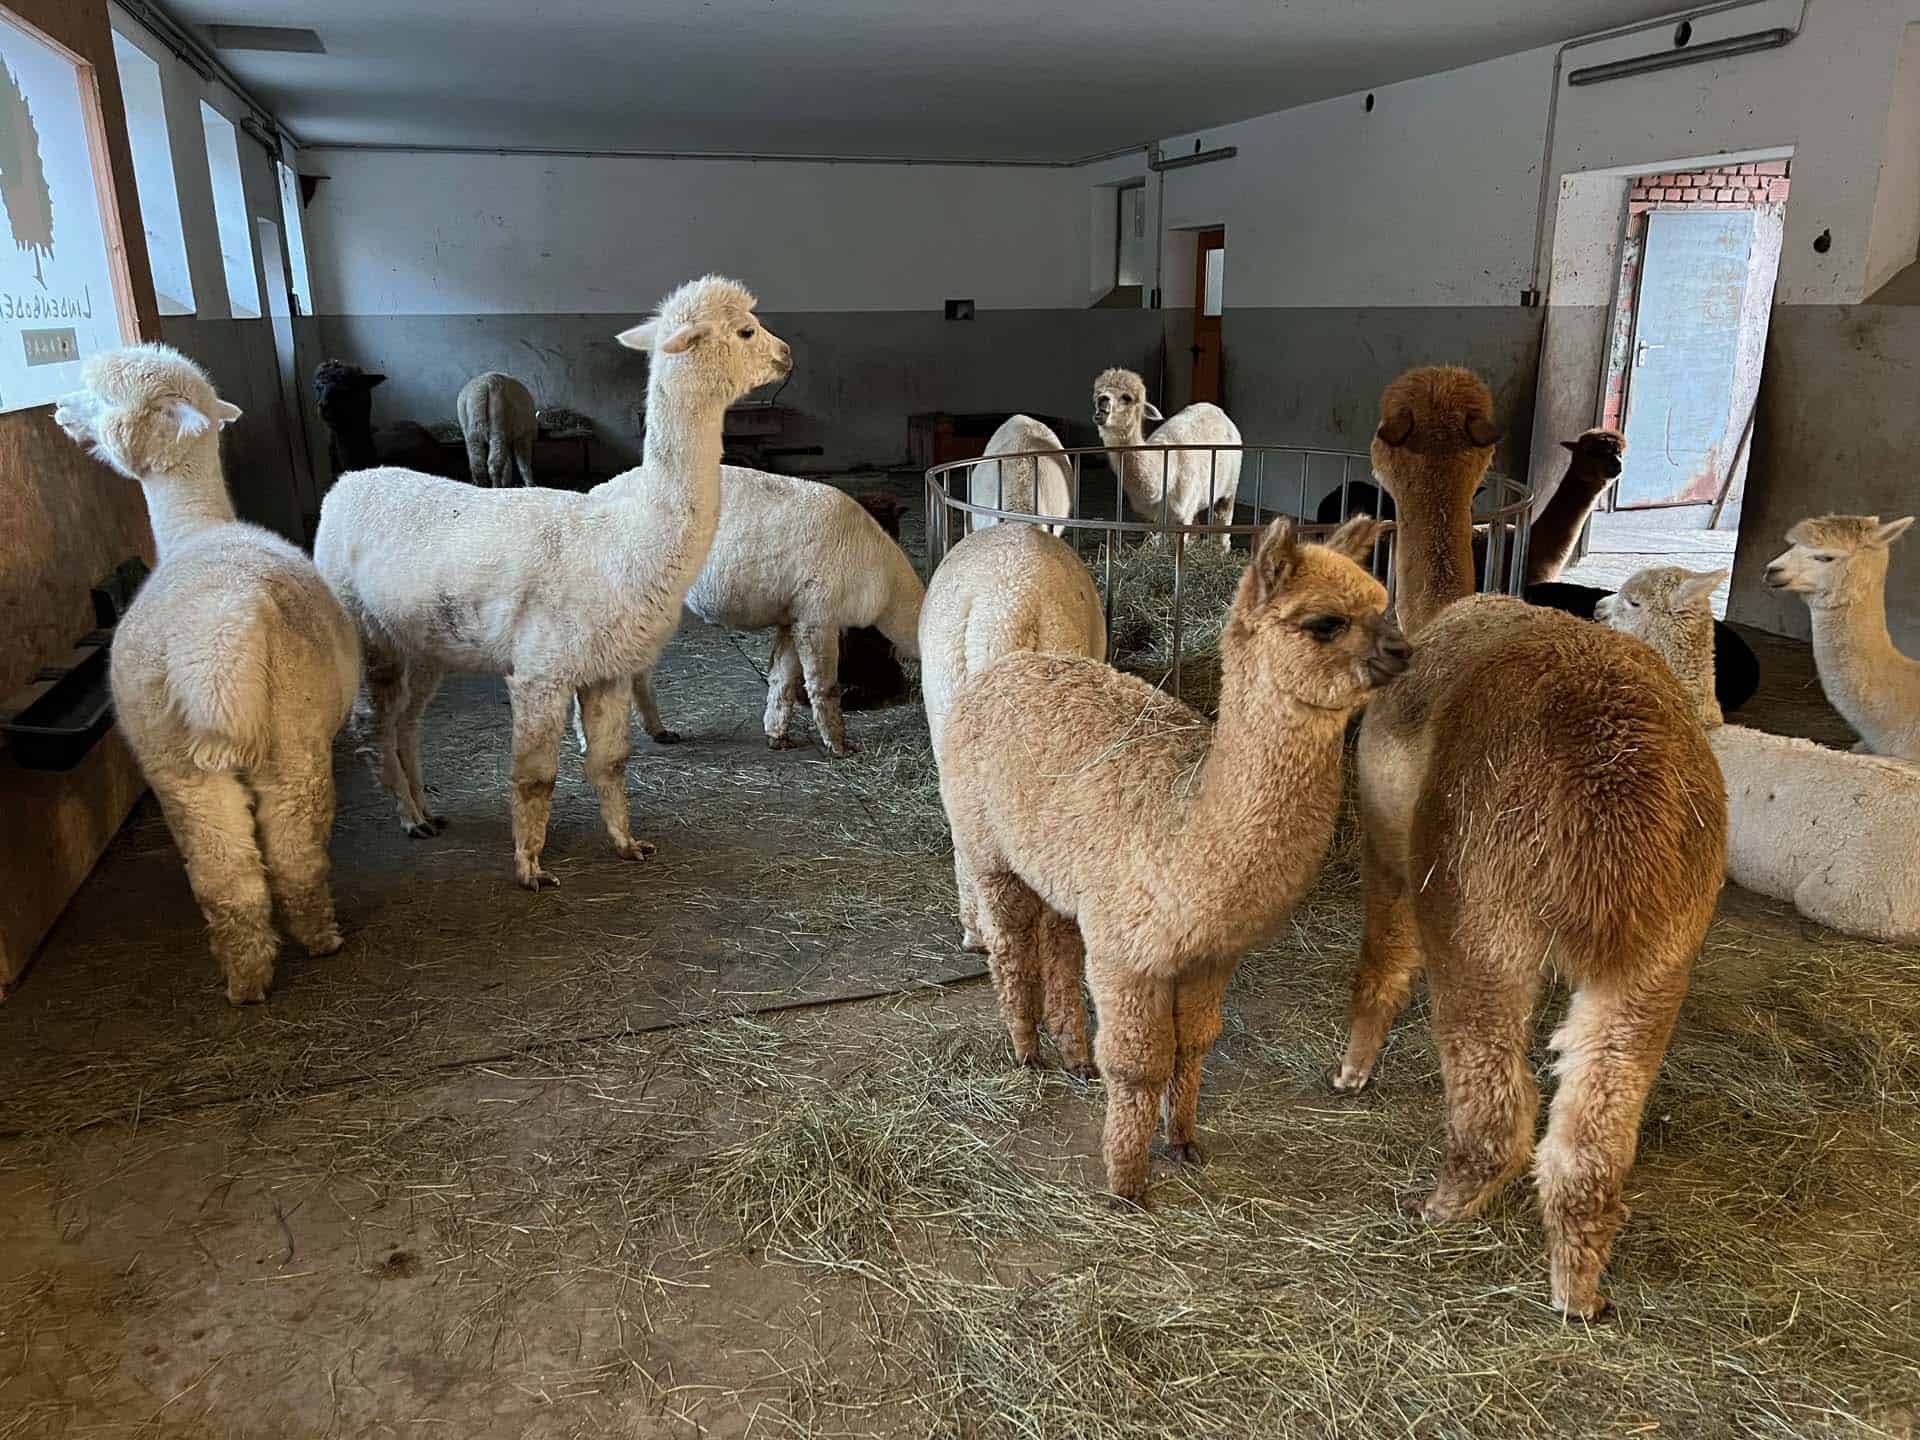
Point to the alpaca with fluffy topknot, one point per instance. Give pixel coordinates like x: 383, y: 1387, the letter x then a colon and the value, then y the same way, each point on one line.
x: 556, y: 591
x: 1090, y: 807
x: 232, y: 670
x: 1537, y: 795
x: 1838, y: 565
x: 1191, y: 487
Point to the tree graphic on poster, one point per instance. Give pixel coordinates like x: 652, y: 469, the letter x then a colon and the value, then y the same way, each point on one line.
x: 23, y: 177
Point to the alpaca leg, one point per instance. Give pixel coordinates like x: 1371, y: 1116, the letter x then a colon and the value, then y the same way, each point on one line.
x: 783, y: 689
x: 1012, y: 915
x: 1609, y: 1051
x: 649, y: 709
x: 819, y: 648
x: 1135, y: 1049
x: 1062, y: 960
x: 1223, y: 515
x: 523, y: 460
x: 1389, y: 960
x: 388, y: 686
x: 603, y: 714
x: 539, y: 720
x: 1480, y: 1026
x: 211, y: 817
x: 499, y: 464
x: 294, y: 816
x: 1196, y: 1025
x: 969, y: 905
x: 477, y: 459
x: 422, y: 683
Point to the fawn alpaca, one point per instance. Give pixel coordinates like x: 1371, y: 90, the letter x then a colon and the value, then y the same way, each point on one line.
x: 1536, y: 792
x: 1086, y: 804
x: 232, y: 671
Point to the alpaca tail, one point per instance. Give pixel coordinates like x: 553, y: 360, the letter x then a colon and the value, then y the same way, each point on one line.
x: 225, y: 699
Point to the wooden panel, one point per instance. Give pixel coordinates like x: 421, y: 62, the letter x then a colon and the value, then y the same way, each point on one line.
x: 67, y: 521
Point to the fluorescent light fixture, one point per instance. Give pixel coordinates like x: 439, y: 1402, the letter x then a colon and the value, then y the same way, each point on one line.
x: 1204, y: 157
x: 1690, y: 55
x: 273, y: 38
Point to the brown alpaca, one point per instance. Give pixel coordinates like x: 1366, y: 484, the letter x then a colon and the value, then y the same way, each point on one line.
x: 1595, y: 464
x: 1085, y: 803
x: 1537, y: 794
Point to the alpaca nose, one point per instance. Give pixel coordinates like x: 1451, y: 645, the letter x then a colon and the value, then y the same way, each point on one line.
x: 1391, y: 655
x: 1603, y: 609
x: 1775, y: 577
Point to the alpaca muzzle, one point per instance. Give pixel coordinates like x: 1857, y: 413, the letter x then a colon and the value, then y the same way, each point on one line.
x: 1391, y: 655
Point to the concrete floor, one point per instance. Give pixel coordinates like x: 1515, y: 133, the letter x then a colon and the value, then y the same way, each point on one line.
x: 438, y: 1185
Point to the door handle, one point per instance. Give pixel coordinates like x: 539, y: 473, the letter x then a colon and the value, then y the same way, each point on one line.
x: 1640, y: 352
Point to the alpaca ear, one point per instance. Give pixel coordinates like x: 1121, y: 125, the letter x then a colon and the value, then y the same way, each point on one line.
x: 1150, y: 411
x: 367, y: 382
x: 647, y: 336
x: 1573, y: 445
x: 1396, y: 428
x: 1356, y: 538
x: 1482, y: 431
x: 1695, y: 589
x: 1891, y: 531
x: 1274, y: 554
x: 226, y: 412
x: 192, y: 424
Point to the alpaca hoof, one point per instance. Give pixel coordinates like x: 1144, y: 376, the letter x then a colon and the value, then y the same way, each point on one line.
x: 1596, y: 1309
x: 666, y: 737
x: 532, y: 877
x: 843, y: 749
x: 781, y: 742
x: 1348, y: 1080
x: 636, y: 850
x: 1130, y: 1204
x: 247, y: 992
x: 424, y: 829
x: 1030, y: 1062
x: 1085, y: 1070
x: 327, y: 942
x: 972, y: 943
x: 1187, y: 1153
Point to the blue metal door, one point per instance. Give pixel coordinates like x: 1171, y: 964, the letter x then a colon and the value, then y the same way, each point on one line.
x: 1693, y: 287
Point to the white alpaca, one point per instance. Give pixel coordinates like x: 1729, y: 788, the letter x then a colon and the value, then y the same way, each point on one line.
x: 998, y: 591
x: 808, y: 561
x: 1838, y: 563
x: 495, y: 412
x: 1037, y: 487
x: 232, y: 670
x: 1829, y: 831
x: 1192, y: 487
x: 561, y: 593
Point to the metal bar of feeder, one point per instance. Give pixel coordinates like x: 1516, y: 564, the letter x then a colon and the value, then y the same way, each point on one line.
x: 1259, y: 487
x: 1179, y: 595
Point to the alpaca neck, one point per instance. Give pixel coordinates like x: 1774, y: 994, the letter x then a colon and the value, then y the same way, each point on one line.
x: 1689, y: 655
x: 1432, y: 560
x: 1851, y: 647
x: 683, y: 427
x: 900, y: 620
x: 1557, y: 527
x: 1271, y: 784
x: 187, y: 501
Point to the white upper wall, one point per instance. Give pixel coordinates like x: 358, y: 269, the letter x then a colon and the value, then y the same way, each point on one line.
x: 421, y: 233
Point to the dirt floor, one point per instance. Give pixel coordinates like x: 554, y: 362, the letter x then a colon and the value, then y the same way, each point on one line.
x: 636, y: 1158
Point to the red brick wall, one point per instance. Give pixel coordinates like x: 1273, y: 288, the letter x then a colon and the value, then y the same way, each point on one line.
x: 1732, y: 187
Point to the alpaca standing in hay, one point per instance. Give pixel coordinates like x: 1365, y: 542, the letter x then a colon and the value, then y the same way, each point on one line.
x: 1536, y: 793
x: 1192, y: 487
x: 1011, y: 588
x: 1035, y: 487
x: 1838, y: 564
x: 1831, y: 832
x: 495, y: 412
x: 558, y: 592
x: 343, y: 394
x: 232, y: 671
x: 809, y: 562
x: 1086, y: 803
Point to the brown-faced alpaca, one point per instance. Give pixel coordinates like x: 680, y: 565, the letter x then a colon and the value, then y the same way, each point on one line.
x: 1593, y: 466
x: 1086, y: 803
x: 1537, y: 794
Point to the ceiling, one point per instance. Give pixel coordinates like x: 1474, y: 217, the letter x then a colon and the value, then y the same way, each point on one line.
x: 926, y: 79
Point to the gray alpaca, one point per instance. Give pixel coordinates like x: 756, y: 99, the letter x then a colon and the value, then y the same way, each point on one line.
x: 496, y: 416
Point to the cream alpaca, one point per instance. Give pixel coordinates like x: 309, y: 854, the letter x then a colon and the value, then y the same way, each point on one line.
x: 232, y: 671
x: 1086, y: 803
x: 998, y: 591
x: 807, y: 561
x: 1839, y: 564
x: 1193, y: 487
x: 560, y: 593
x: 1536, y: 793
x: 1037, y: 487
x: 1831, y: 832
x: 496, y: 418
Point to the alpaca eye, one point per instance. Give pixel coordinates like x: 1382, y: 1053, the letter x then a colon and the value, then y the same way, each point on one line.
x: 747, y: 334
x: 1325, y: 628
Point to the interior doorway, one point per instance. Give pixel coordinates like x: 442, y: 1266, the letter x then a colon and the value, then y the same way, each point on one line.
x: 1209, y: 291
x: 1687, y: 338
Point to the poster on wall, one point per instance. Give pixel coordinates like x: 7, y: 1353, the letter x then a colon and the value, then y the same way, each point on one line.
x: 58, y: 303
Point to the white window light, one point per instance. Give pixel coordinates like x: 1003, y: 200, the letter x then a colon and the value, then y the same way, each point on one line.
x: 230, y: 214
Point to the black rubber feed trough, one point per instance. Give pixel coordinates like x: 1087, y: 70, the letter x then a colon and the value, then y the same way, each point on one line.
x: 66, y: 708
